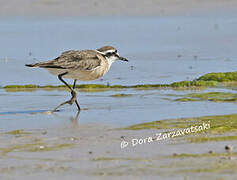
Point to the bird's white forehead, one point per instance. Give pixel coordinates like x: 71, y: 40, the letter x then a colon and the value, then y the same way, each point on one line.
x: 108, y: 51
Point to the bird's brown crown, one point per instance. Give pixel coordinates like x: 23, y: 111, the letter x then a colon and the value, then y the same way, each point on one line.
x: 105, y: 49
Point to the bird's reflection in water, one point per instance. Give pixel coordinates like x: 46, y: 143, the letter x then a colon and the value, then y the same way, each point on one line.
x: 75, y: 119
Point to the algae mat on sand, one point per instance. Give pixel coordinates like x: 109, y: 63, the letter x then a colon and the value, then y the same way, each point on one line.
x: 210, y: 96
x: 222, y: 127
x: 208, y: 80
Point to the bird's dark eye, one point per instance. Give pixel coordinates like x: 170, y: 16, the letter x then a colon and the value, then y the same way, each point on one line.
x: 110, y: 54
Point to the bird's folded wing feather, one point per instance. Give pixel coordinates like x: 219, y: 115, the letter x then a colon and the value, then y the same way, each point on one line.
x: 80, y: 60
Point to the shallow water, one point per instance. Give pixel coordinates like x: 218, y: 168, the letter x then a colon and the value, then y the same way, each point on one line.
x: 160, y: 49
x: 24, y: 109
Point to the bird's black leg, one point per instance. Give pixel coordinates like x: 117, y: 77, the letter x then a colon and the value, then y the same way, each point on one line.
x: 74, y: 85
x: 64, y: 82
x: 74, y: 94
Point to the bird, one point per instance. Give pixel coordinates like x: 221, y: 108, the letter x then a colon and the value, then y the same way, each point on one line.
x: 83, y: 65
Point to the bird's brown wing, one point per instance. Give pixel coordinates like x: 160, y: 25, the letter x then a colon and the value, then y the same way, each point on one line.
x: 85, y: 60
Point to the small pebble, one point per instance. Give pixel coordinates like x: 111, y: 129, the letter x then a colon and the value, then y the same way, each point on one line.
x: 228, y: 148
x: 41, y: 147
x: 72, y: 139
x: 210, y: 152
x: 48, y: 112
x: 44, y: 132
x: 90, y: 152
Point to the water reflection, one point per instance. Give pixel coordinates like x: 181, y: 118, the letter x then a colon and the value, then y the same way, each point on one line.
x: 74, y: 120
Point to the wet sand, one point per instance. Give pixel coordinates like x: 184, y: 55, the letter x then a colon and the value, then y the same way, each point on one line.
x: 93, y: 152
x: 65, y: 144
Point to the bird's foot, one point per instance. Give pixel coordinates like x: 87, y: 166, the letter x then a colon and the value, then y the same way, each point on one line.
x: 71, y: 101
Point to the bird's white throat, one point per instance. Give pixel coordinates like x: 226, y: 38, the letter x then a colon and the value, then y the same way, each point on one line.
x: 111, y: 59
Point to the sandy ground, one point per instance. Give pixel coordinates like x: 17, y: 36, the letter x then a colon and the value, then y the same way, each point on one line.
x: 94, y: 152
x: 67, y: 145
x: 108, y: 7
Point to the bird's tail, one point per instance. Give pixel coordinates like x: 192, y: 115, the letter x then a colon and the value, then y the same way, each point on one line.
x: 32, y: 65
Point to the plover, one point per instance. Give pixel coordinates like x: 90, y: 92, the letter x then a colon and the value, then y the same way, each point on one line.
x: 84, y: 65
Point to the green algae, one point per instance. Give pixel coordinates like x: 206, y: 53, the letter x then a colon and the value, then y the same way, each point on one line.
x: 207, y: 138
x: 119, y: 158
x: 203, y: 165
x: 121, y: 95
x: 49, y: 147
x: 219, y: 124
x: 208, y: 80
x: 185, y: 99
x: 223, y: 126
x: 219, y: 77
x: 210, y: 96
x: 19, y: 147
x: 186, y: 155
x: 85, y: 86
x: 34, y: 147
x: 88, y: 86
x: 194, y: 83
x: 222, y: 168
x: 107, y: 87
x: 21, y: 86
x: 17, y: 132
x: 221, y: 165
x: 107, y: 159
x: 165, y: 124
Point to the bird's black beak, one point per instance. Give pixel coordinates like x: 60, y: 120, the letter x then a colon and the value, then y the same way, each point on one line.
x: 121, y: 58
